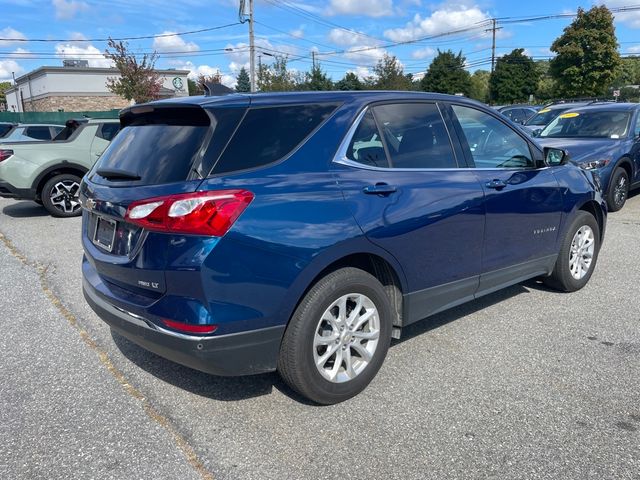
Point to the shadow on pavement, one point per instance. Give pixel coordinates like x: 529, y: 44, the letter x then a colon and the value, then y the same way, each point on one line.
x: 24, y: 210
x: 226, y: 389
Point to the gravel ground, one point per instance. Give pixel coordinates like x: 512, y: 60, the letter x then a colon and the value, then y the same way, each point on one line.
x: 526, y: 383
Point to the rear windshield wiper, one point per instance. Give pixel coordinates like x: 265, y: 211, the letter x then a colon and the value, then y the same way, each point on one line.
x: 117, y: 174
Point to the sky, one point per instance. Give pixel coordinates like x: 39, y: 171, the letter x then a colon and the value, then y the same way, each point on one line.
x: 346, y: 35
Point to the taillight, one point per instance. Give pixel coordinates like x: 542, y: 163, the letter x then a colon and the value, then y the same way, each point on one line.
x: 189, y: 327
x: 199, y: 213
x: 4, y: 154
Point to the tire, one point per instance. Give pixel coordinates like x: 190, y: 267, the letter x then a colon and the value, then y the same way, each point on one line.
x: 60, y: 196
x: 581, y: 242
x: 319, y: 311
x: 618, y: 190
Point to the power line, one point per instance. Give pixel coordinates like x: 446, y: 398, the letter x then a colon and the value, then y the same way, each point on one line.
x: 70, y: 40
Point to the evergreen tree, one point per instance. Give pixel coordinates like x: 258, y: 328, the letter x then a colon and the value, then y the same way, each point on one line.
x: 243, y: 82
x: 317, y: 80
x: 447, y: 74
x: 587, y: 57
x: 349, y: 82
x: 514, y: 78
x: 389, y: 75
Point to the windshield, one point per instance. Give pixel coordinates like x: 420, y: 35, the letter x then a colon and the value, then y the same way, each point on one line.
x: 590, y: 124
x: 544, y: 116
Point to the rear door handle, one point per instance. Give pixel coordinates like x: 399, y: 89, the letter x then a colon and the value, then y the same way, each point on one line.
x: 379, y: 189
x: 495, y: 184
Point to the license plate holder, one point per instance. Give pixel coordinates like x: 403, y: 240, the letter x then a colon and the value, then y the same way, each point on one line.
x: 105, y: 233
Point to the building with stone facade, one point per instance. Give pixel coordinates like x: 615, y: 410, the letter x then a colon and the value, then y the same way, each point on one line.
x: 79, y: 89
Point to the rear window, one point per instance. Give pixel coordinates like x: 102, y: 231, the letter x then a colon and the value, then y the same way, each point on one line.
x: 168, y: 145
x: 4, y: 129
x: 268, y: 134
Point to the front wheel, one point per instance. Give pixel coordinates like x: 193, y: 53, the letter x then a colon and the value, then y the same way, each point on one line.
x: 337, y: 338
x: 60, y: 196
x: 618, y: 190
x: 578, y: 254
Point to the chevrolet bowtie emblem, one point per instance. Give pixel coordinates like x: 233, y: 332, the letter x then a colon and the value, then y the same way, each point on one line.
x: 90, y: 204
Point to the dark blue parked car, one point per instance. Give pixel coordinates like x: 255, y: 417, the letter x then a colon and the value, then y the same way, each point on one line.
x: 300, y: 232
x: 605, y: 138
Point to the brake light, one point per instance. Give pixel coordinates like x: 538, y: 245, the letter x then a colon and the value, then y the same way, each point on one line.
x: 4, y: 154
x: 188, y: 327
x: 199, y: 213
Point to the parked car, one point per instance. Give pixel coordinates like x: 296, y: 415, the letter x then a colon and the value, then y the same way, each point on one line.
x: 547, y: 114
x: 6, y: 128
x: 50, y: 172
x: 604, y: 138
x: 31, y: 132
x: 300, y: 232
x: 518, y: 113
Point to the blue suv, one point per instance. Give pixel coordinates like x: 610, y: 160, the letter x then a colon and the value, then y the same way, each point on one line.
x: 301, y: 232
x: 605, y: 138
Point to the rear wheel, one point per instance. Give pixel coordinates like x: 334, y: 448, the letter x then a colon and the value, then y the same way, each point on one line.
x: 60, y: 195
x: 618, y: 190
x: 337, y: 338
x: 578, y: 254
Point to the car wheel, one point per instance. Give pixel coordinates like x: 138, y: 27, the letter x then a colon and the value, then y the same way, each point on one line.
x: 337, y: 338
x: 60, y: 195
x: 618, y: 190
x: 578, y: 254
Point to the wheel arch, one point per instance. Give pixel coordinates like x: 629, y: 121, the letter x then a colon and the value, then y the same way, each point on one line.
x: 627, y: 164
x: 595, y: 209
x: 59, y: 169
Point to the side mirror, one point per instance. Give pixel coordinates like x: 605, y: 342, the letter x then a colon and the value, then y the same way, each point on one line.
x: 555, y: 156
x: 536, y: 132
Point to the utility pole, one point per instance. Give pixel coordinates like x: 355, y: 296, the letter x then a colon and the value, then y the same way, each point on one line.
x: 313, y: 58
x: 252, y: 49
x: 493, y: 45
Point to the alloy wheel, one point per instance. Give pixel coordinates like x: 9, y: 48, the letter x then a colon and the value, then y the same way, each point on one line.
x: 64, y: 196
x: 346, y: 338
x: 620, y: 191
x: 582, y: 251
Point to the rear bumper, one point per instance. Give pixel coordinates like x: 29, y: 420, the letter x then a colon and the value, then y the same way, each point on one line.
x: 236, y: 354
x: 9, y: 191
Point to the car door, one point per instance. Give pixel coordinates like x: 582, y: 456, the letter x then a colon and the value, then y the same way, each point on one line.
x: 105, y: 132
x: 523, y: 200
x: 400, y: 176
x: 635, y: 150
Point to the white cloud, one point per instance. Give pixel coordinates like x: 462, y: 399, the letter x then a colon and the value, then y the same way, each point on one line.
x: 173, y: 43
x: 364, y: 55
x: 7, y: 67
x: 67, y: 9
x: 362, y: 72
x: 207, y: 70
x: 423, y: 53
x: 368, y: 8
x: 634, y: 49
x: 631, y: 19
x: 90, y: 53
x: 12, y: 33
x: 447, y: 18
x: 239, y: 52
x: 345, y: 38
x: 298, y: 32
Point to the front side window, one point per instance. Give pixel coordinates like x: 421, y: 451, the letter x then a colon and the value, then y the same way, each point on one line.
x: 415, y: 136
x: 492, y: 143
x: 636, y: 132
x: 588, y: 124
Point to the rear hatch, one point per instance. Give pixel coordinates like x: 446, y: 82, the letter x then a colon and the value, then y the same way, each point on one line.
x: 163, y: 150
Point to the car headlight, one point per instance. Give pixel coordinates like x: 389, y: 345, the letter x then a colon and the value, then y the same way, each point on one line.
x: 595, y: 164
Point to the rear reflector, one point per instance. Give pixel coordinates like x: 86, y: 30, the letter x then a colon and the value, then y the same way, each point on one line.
x: 200, y: 213
x: 189, y: 327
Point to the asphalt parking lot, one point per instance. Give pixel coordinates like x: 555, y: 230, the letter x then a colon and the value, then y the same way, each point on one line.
x: 524, y: 384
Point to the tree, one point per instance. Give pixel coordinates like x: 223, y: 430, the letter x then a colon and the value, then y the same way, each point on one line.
x: 389, y: 75
x: 479, y: 86
x: 587, y: 54
x: 138, y: 80
x: 546, y: 89
x: 317, y: 80
x: 447, y: 74
x: 4, y: 86
x: 194, y: 87
x: 243, y: 82
x: 514, y: 78
x: 628, y: 73
x: 349, y: 82
x: 276, y: 77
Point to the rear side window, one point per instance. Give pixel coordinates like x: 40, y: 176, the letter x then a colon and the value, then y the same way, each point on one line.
x: 38, y: 133
x: 4, y: 129
x: 107, y: 131
x: 415, y: 135
x: 268, y: 134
